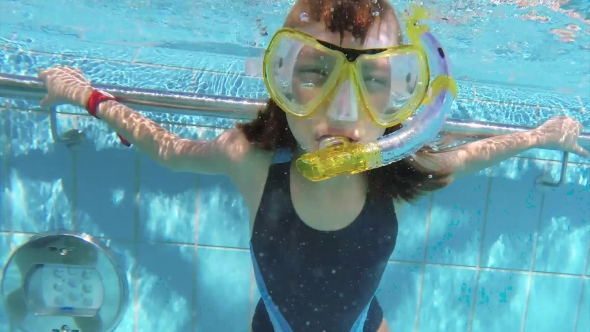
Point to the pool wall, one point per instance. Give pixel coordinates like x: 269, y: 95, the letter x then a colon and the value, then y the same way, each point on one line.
x: 489, y: 253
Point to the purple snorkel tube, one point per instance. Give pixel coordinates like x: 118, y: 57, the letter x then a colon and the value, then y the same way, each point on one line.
x: 422, y: 128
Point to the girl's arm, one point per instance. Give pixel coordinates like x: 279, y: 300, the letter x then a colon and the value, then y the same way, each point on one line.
x: 218, y: 156
x: 560, y: 133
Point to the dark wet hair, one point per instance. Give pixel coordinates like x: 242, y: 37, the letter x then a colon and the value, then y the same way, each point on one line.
x: 270, y: 130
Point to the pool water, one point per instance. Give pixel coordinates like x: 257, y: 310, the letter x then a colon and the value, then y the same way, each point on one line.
x: 492, y: 252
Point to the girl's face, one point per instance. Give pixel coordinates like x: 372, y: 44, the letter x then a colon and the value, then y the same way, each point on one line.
x: 325, y: 120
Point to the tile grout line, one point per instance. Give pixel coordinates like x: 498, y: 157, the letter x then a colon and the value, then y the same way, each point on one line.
x: 584, y: 280
x: 582, y: 108
x: 193, y: 86
x: 74, y: 160
x: 196, y: 250
x: 146, y: 64
x: 537, y: 115
x: 533, y: 259
x: 423, y: 263
x: 478, y: 268
x: 8, y: 174
x: 393, y: 261
x: 135, y: 273
x: 136, y: 54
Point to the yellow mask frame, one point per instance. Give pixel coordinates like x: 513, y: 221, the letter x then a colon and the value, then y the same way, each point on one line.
x: 349, y: 70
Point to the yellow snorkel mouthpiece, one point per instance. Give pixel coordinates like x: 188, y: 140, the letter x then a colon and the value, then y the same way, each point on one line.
x: 340, y: 158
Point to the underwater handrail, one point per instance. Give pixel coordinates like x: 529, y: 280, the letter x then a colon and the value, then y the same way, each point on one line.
x: 32, y: 88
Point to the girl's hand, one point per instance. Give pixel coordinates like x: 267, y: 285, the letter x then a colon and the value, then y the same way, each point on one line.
x: 561, y: 133
x: 65, y: 85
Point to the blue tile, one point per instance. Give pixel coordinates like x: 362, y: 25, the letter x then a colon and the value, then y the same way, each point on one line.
x: 194, y: 60
x: 500, y: 294
x: 547, y: 113
x: 411, y: 238
x: 8, y: 244
x: 164, y: 116
x: 223, y: 215
x: 495, y: 112
x: 99, y: 71
x: 223, y: 290
x: 398, y: 295
x: 106, y: 185
x: 446, y: 288
x: 564, y: 231
x: 5, y: 223
x: 219, y: 84
x: 5, y: 251
x: 167, y: 203
x: 98, y: 134
x: 165, y: 283
x: 528, y: 97
x: 456, y: 222
x: 210, y: 133
x: 125, y: 254
x: 562, y: 293
x: 6, y: 248
x: 39, y: 41
x: 513, y: 215
x: 41, y: 181
x: 466, y: 91
x: 584, y: 309
x: 542, y: 154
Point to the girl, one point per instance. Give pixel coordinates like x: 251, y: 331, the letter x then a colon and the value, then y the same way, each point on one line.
x: 319, y: 249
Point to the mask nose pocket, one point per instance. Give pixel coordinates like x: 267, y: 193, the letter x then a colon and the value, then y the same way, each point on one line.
x: 344, y: 105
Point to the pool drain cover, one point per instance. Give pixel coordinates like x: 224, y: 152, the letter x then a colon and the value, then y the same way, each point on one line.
x: 64, y: 282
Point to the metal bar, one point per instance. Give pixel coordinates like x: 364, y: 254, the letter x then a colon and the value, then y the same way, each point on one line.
x: 31, y: 88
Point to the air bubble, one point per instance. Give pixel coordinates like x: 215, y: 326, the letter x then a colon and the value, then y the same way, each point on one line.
x: 375, y: 13
x: 308, y: 85
x: 430, y: 176
x: 304, y: 17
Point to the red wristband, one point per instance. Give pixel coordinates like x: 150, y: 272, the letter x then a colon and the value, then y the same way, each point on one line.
x: 97, y: 97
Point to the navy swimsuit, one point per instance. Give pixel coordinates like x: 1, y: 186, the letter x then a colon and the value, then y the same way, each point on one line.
x: 314, y: 280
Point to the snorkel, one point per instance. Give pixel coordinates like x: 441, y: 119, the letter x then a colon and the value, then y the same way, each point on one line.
x: 339, y: 156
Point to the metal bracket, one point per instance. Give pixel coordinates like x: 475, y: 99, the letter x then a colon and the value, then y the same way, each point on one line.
x: 542, y: 180
x: 72, y: 138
